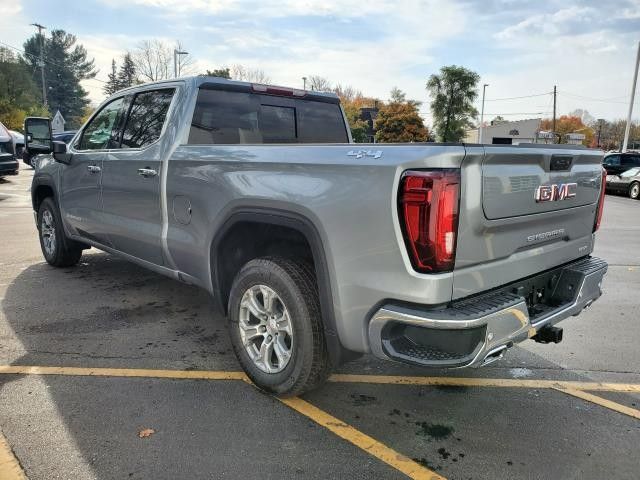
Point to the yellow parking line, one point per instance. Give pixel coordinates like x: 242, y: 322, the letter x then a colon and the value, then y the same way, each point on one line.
x: 9, y: 467
x: 361, y: 440
x: 123, y: 372
x: 603, y: 402
x: 338, y: 378
x: 485, y: 382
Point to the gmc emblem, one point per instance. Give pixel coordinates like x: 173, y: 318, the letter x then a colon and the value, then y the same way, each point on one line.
x: 553, y: 193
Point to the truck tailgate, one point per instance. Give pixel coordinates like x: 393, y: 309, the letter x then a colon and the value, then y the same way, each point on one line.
x: 523, y: 210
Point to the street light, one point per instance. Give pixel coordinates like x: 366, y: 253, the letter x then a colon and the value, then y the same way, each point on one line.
x: 484, y: 88
x: 304, y: 83
x: 177, y: 52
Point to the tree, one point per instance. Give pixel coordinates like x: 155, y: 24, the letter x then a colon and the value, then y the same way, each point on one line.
x: 400, y: 121
x: 319, y: 84
x: 453, y: 92
x: 219, y: 72
x: 127, y: 76
x: 112, y: 85
x: 245, y: 74
x: 153, y: 60
x: 66, y: 64
x: 568, y: 124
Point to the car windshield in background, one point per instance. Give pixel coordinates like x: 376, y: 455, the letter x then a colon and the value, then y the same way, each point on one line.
x: 223, y: 117
x: 612, y: 160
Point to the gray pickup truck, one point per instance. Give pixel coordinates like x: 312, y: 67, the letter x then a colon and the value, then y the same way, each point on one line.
x: 317, y: 249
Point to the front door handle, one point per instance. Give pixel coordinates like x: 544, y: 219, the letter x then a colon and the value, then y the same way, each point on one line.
x: 93, y: 168
x: 147, y: 172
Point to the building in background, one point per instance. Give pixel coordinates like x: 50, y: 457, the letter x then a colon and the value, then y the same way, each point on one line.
x: 57, y: 124
x: 503, y: 132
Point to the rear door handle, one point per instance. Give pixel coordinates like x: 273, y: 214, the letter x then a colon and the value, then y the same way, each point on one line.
x: 93, y: 168
x: 147, y: 172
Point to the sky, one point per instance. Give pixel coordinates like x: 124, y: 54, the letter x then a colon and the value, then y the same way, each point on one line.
x: 519, y: 48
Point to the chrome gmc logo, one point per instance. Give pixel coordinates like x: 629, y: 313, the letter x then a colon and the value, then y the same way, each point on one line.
x: 553, y: 193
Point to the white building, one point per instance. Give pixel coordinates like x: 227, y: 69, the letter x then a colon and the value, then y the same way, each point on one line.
x: 505, y: 132
x: 57, y: 124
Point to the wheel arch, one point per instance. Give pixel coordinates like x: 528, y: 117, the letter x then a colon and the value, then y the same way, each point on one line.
x: 306, y: 230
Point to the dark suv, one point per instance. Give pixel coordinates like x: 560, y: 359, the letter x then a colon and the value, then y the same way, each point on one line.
x: 616, y: 163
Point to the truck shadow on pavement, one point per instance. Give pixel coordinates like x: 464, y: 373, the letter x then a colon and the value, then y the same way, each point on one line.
x: 107, y: 312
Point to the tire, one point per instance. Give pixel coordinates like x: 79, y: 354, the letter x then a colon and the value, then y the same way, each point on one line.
x: 634, y: 190
x: 292, y: 288
x: 58, y: 250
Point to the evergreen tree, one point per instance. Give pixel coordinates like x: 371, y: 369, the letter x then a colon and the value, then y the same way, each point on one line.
x: 112, y: 85
x: 66, y: 64
x: 127, y: 76
x: 219, y: 72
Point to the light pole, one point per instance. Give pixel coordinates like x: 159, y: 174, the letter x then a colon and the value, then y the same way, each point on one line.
x: 304, y: 83
x: 41, y: 61
x: 177, y: 52
x: 633, y: 94
x: 484, y: 89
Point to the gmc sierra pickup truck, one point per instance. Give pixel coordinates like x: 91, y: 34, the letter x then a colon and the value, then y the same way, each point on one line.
x: 317, y: 249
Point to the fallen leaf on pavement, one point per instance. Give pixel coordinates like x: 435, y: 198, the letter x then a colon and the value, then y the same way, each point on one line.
x: 146, y: 432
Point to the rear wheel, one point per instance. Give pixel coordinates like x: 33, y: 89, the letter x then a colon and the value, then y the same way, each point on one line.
x: 634, y: 190
x: 276, y: 327
x: 57, y: 248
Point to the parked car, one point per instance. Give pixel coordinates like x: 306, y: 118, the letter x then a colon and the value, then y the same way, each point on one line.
x: 317, y: 249
x: 8, y: 163
x: 627, y: 183
x: 18, y: 141
x: 615, y: 163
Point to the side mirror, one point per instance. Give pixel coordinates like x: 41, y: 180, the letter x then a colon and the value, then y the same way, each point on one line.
x: 60, y: 153
x: 37, y: 135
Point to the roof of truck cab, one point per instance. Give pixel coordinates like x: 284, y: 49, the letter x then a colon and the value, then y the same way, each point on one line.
x: 226, y: 84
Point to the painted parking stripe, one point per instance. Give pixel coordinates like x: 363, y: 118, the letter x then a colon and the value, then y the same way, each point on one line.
x: 10, y: 468
x: 485, y: 382
x: 603, y: 402
x: 361, y: 440
x: 338, y: 378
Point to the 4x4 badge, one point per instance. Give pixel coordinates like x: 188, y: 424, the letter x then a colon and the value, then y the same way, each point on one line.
x: 365, y: 153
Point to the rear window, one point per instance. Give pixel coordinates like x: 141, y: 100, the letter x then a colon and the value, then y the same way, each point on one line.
x: 224, y: 117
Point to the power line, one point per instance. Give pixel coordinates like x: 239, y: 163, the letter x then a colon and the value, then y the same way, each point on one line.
x: 515, y: 98
x: 34, y: 57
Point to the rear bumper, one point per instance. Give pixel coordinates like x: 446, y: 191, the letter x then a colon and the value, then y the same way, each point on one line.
x: 8, y: 167
x: 477, y: 330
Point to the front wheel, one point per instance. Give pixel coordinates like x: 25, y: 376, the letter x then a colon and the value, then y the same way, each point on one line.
x: 58, y: 250
x: 634, y: 190
x: 276, y: 326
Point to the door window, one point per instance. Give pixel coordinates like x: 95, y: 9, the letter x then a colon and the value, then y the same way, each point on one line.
x: 100, y: 133
x: 146, y: 118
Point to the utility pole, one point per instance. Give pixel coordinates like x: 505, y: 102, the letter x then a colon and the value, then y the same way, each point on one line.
x: 304, y: 83
x: 177, y: 52
x: 633, y: 94
x: 554, y: 113
x: 600, y: 122
x: 484, y: 89
x: 41, y: 61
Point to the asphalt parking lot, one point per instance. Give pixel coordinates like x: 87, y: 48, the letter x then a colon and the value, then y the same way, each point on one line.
x: 111, y: 371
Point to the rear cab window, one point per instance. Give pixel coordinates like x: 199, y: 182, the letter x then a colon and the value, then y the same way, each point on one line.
x: 230, y: 117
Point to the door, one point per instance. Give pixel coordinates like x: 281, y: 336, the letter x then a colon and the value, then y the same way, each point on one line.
x: 131, y: 202
x: 81, y: 178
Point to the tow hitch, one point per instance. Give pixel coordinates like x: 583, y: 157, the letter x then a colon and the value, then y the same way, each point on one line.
x: 548, y: 335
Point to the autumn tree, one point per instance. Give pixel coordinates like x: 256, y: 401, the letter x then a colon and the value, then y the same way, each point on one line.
x: 568, y: 124
x: 19, y: 94
x: 453, y: 92
x: 400, y: 121
x: 319, y: 84
x: 248, y: 74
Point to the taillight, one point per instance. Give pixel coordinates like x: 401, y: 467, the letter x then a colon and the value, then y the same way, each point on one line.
x: 279, y: 91
x: 428, y: 208
x: 603, y: 186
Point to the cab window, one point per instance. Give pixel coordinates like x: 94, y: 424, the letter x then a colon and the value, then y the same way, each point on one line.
x: 100, y: 134
x: 146, y: 118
